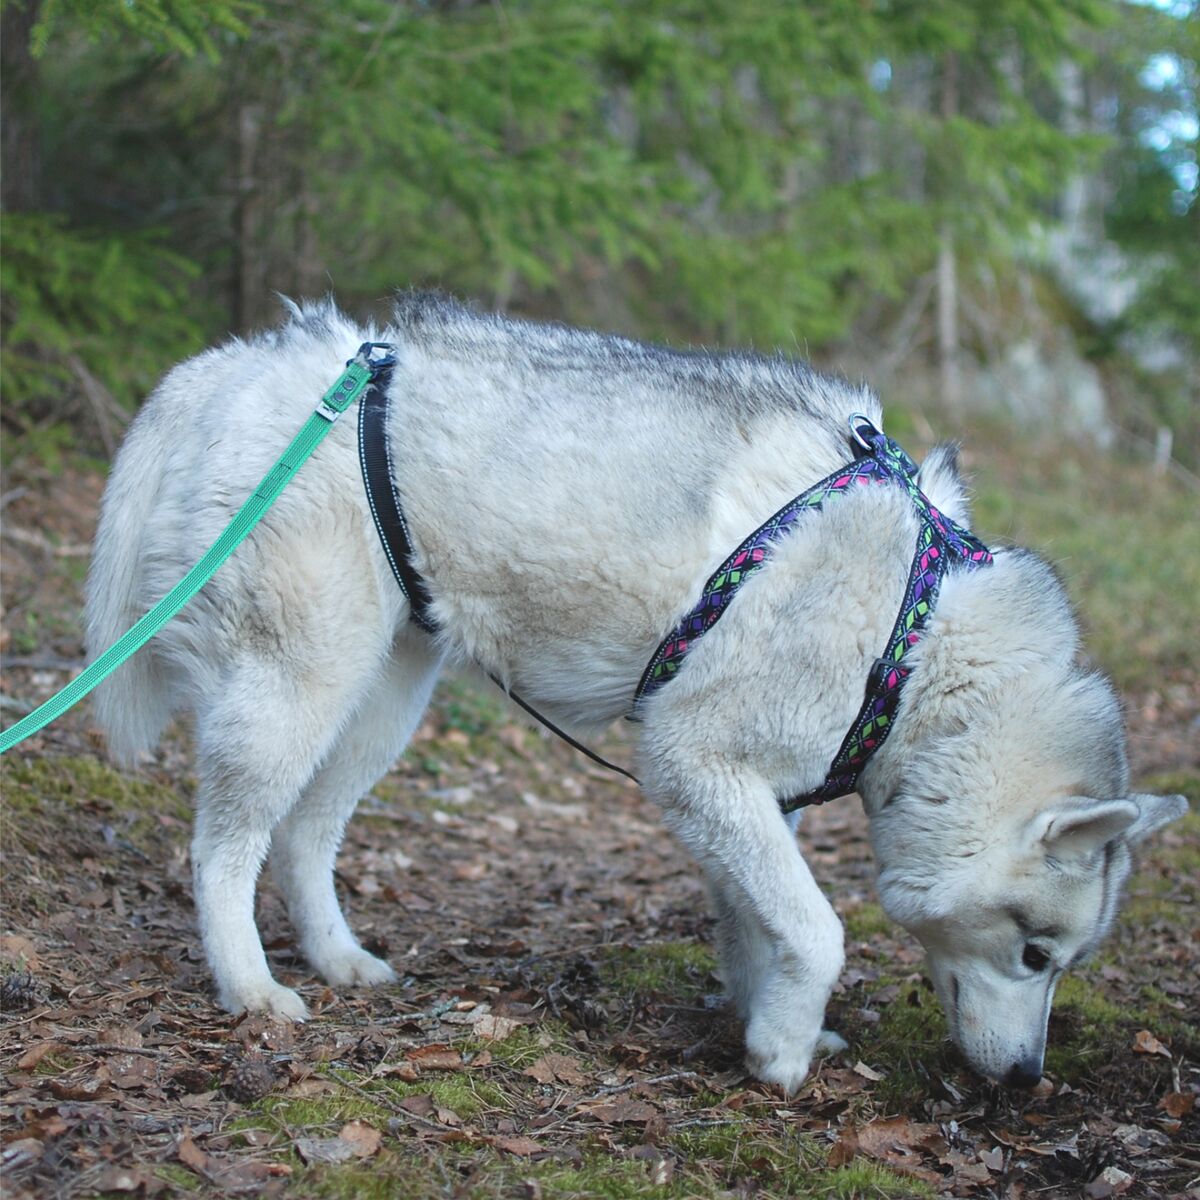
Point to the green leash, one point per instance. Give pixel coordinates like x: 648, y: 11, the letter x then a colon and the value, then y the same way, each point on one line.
x: 359, y: 374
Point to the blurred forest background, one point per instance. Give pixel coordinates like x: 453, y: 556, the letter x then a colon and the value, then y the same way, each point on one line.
x: 987, y: 207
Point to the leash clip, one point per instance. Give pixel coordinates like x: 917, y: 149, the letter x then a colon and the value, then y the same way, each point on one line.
x: 364, y: 359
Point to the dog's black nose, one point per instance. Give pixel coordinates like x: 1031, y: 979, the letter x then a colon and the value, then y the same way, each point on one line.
x: 1024, y: 1074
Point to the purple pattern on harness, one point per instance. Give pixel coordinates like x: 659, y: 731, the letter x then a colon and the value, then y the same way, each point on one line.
x: 941, y: 543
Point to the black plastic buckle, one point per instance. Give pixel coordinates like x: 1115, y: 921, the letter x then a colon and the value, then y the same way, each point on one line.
x: 375, y: 365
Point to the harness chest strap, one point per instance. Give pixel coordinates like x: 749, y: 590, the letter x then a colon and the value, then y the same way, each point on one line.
x: 941, y: 544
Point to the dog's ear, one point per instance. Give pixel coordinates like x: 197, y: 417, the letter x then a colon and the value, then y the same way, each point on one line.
x: 1079, y: 829
x: 1153, y: 813
x: 941, y: 480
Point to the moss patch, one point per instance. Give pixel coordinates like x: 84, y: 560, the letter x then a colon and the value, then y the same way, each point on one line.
x: 58, y: 791
x: 866, y: 921
x: 671, y: 968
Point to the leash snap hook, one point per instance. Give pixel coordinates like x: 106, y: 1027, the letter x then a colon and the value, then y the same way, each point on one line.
x: 367, y: 349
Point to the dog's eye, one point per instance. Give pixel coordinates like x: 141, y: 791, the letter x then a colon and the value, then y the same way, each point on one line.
x: 1035, y: 958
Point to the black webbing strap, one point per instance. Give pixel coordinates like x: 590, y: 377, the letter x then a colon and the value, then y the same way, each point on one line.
x: 379, y: 480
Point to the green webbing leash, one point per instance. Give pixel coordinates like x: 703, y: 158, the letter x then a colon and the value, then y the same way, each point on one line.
x: 360, y: 372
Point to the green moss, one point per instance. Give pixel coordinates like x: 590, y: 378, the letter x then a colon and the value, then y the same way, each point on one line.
x: 867, y: 921
x: 415, y: 1176
x: 907, y: 1045
x: 465, y: 1095
x: 781, y: 1163
x: 671, y: 968
x: 465, y: 707
x: 37, y: 783
x: 177, y: 1177
x: 528, y: 1043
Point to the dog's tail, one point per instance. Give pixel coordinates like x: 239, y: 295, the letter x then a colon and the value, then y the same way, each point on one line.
x: 133, y: 705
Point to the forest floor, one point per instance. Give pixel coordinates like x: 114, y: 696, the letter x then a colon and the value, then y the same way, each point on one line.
x: 557, y: 1030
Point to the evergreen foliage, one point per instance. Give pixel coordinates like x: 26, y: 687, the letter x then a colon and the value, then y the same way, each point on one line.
x: 744, y: 171
x: 89, y: 309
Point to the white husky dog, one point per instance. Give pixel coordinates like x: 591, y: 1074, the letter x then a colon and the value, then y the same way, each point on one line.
x: 568, y: 495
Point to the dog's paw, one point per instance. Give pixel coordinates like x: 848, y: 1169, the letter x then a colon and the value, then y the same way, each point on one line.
x: 354, y: 965
x: 775, y: 1059
x: 273, y: 999
x: 830, y: 1043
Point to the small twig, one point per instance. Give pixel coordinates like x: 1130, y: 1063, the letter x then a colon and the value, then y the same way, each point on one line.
x: 15, y: 705
x: 41, y: 662
x: 626, y: 1087
x: 145, y: 1052
x: 12, y: 494
x: 28, y: 537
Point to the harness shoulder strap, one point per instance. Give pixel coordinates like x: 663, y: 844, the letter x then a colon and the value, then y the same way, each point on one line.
x: 380, y: 482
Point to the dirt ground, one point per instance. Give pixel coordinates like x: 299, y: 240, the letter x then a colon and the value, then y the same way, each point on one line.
x: 557, y: 1030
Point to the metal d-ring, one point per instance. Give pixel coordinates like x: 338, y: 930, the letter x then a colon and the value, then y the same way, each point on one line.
x: 856, y: 419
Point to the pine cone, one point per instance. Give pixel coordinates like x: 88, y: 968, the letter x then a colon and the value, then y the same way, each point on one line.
x: 251, y: 1079
x: 18, y: 992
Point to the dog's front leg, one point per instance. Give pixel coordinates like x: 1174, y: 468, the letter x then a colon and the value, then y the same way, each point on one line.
x: 783, y: 946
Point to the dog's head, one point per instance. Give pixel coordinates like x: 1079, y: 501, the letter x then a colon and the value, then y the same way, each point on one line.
x: 1000, y: 810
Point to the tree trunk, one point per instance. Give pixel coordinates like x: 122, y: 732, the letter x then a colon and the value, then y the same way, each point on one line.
x: 249, y: 275
x: 947, y: 268
x: 20, y: 152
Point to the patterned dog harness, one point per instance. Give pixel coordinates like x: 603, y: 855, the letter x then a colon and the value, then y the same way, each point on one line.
x: 878, y: 460
x: 941, y: 544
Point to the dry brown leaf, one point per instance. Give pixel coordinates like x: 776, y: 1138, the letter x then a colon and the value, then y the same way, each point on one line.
x: 1144, y: 1042
x: 191, y: 1155
x: 420, y: 1106
x: 897, y: 1142
x: 246, y: 1176
x: 561, y: 1068
x: 362, y: 1138
x: 845, y: 1148
x: 37, y: 1052
x: 132, y: 1071
x: 324, y: 1150
x: 83, y: 1089
x: 1177, y: 1104
x: 303, y: 1088
x: 125, y: 1036
x: 18, y: 949
x: 21, y: 1153
x: 861, y: 1068
x: 439, y: 1056
x: 621, y: 1112
x: 1112, y: 1181
x: 495, y: 1029
x: 521, y: 1147
x: 120, y: 1179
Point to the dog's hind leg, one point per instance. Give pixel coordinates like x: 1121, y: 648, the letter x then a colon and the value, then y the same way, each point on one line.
x: 261, y: 735
x: 305, y: 843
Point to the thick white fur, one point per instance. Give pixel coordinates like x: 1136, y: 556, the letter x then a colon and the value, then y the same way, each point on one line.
x: 568, y: 494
